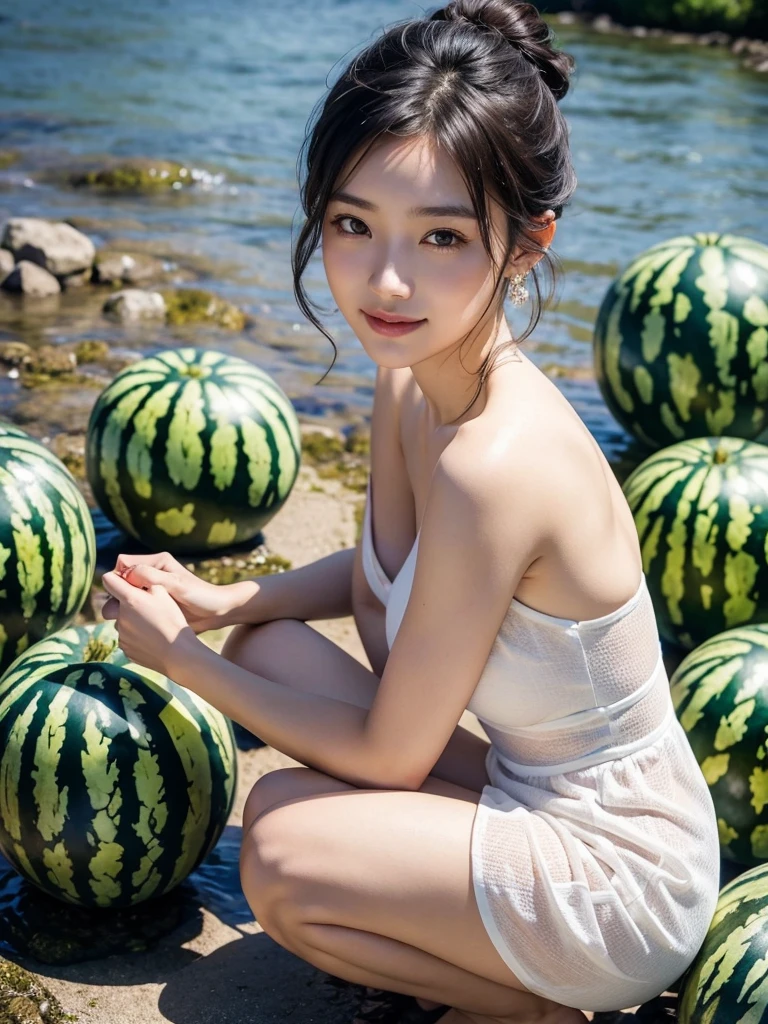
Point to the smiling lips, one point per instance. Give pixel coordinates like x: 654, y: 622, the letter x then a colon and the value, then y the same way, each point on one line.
x: 390, y: 324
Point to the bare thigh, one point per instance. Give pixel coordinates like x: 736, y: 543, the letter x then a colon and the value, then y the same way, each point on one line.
x: 294, y: 654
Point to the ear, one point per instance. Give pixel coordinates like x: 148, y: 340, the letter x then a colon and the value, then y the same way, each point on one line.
x: 523, y: 262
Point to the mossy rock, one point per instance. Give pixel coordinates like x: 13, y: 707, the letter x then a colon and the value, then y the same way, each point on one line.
x: 195, y: 305
x: 335, y: 458
x: 70, y: 448
x: 8, y: 157
x: 14, y: 353
x: 30, y: 379
x: 24, y: 1000
x: 134, y: 176
x: 92, y: 350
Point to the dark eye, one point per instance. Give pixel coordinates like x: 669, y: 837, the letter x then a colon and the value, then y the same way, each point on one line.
x: 355, y: 220
x: 452, y: 236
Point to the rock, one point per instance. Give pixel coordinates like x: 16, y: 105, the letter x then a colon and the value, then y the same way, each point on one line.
x: 603, y: 24
x: 92, y: 350
x: 24, y: 1000
x: 760, y: 65
x: 51, y: 359
x: 127, y: 267
x: 134, y: 175
x: 132, y: 305
x: 8, y: 157
x: 31, y: 279
x: 681, y: 38
x: 7, y: 263
x: 76, y: 280
x: 713, y: 39
x: 70, y: 448
x: 57, y: 246
x: 195, y: 305
x: 640, y: 31
x: 14, y: 353
x: 567, y: 18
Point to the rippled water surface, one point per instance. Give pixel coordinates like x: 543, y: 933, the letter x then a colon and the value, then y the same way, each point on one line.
x: 666, y: 140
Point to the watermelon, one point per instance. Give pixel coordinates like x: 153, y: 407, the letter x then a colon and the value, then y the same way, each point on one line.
x: 115, y: 782
x: 47, y: 544
x: 192, y: 450
x: 701, y: 511
x: 720, y: 695
x: 728, y: 981
x: 681, y: 340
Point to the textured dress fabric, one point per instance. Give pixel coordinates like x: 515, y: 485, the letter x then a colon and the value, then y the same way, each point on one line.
x: 595, y: 854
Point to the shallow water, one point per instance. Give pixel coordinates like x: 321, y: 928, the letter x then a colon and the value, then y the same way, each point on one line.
x: 666, y: 140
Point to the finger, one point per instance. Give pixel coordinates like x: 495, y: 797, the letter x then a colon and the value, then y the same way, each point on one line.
x: 117, y: 587
x: 109, y: 608
x: 158, y: 560
x: 145, y: 576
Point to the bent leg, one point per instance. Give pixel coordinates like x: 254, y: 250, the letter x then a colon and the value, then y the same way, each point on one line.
x: 292, y: 653
x: 375, y: 886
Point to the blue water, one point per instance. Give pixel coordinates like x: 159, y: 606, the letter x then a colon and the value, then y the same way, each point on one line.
x: 666, y: 140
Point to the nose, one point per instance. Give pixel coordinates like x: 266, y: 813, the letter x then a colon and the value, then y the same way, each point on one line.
x: 389, y: 280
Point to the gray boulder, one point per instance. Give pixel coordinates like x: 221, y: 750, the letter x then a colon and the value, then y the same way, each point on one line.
x: 128, y: 267
x: 6, y: 263
x: 30, y: 279
x: 57, y: 246
x: 132, y: 305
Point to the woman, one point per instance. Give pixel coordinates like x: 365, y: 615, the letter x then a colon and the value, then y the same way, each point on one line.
x: 571, y: 863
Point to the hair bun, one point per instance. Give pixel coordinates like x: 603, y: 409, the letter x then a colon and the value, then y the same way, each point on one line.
x: 524, y: 28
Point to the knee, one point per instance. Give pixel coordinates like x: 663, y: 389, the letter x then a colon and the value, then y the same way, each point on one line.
x: 268, y: 791
x: 265, y: 854
x: 246, y: 642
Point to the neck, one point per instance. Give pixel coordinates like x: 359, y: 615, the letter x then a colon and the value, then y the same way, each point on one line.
x: 449, y: 380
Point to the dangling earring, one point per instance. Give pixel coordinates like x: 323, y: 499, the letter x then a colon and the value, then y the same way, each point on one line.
x: 517, y: 292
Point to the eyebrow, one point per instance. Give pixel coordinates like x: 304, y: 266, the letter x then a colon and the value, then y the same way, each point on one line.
x: 450, y: 210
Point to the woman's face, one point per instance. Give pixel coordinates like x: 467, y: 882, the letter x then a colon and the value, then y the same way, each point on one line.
x: 382, y: 254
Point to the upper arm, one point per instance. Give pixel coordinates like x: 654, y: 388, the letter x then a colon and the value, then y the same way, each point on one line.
x: 393, y: 517
x: 472, y: 554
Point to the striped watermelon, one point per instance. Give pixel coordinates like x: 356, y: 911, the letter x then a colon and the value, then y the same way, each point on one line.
x: 720, y: 694
x: 115, y: 782
x: 681, y: 340
x: 728, y: 981
x: 701, y: 511
x: 192, y: 450
x: 47, y: 544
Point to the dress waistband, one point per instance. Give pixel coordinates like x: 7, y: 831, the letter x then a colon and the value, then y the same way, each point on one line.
x: 588, y: 737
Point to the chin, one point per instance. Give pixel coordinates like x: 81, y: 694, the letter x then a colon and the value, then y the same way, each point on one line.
x: 392, y: 356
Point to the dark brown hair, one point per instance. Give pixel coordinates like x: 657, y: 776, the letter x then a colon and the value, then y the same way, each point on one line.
x: 480, y: 78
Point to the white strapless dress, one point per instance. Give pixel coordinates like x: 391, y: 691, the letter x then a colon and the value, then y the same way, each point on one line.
x: 595, y: 854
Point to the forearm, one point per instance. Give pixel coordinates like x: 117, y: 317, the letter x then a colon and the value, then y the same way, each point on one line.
x: 320, y: 590
x: 318, y: 731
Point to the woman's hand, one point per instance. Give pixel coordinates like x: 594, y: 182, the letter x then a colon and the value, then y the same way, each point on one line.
x: 204, y: 605
x: 150, y: 624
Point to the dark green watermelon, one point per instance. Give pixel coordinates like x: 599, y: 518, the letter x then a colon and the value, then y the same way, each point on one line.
x: 115, y: 782
x: 701, y: 511
x: 681, y: 340
x: 192, y: 450
x: 728, y: 981
x: 720, y: 694
x: 47, y: 544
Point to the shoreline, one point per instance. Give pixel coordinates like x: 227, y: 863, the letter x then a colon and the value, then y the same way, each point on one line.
x: 752, y: 50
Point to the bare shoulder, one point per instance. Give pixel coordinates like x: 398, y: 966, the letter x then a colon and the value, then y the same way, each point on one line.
x: 539, y: 472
